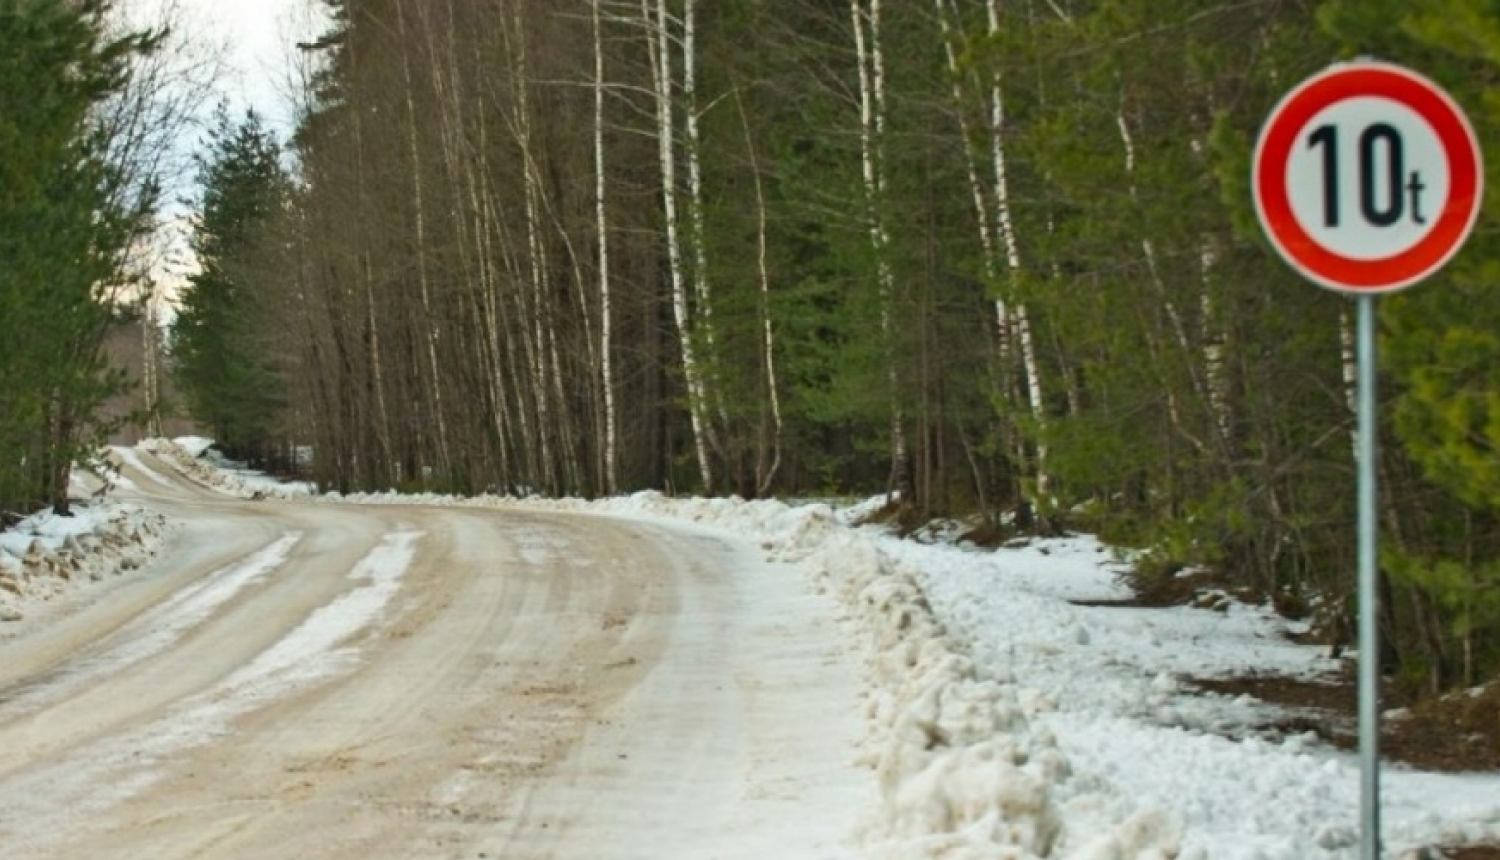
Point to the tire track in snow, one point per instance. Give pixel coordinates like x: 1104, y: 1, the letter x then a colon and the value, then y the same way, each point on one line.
x: 156, y: 630
x: 130, y: 458
x: 57, y: 802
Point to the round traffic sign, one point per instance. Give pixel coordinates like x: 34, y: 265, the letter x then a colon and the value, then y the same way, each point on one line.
x: 1367, y: 177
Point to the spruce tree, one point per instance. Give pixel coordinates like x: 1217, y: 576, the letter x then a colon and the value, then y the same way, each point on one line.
x: 227, y: 377
x: 1441, y: 349
x: 63, y: 237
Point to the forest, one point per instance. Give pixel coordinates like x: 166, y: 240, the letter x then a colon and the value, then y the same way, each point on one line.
x: 996, y: 258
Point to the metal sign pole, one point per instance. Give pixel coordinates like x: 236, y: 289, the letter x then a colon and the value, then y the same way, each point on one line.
x: 1409, y: 125
x: 1369, y: 600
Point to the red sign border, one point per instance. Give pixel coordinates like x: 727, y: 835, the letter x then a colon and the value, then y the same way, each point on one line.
x: 1273, y: 152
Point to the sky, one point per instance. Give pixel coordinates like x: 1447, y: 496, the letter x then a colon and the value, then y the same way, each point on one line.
x: 244, y: 52
x: 257, y: 39
x: 262, y: 37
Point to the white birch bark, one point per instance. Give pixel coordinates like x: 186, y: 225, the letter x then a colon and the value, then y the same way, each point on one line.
x: 1213, y: 346
x: 702, y: 292
x: 492, y: 305
x: 1174, y: 317
x: 989, y: 254
x: 540, y: 359
x: 659, y: 48
x: 150, y: 345
x: 871, y: 134
x: 1005, y: 225
x: 606, y: 318
x: 765, y: 474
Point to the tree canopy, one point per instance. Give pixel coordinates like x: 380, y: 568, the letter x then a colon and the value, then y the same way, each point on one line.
x: 68, y: 217
x: 997, y: 259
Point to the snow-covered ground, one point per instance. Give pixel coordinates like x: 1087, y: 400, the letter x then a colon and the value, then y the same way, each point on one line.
x: 1007, y: 711
x: 1006, y: 720
x: 46, y: 556
x: 196, y: 458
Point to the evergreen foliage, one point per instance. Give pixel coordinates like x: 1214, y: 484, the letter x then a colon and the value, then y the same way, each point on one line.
x: 1442, y: 345
x: 999, y: 256
x: 228, y: 377
x: 65, y: 228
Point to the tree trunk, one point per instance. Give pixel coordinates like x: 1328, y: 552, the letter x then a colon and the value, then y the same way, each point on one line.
x: 429, y: 321
x: 609, y: 444
x: 765, y: 472
x: 871, y: 133
x: 660, y: 50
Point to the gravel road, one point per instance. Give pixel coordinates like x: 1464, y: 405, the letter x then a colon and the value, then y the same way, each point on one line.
x: 306, y: 679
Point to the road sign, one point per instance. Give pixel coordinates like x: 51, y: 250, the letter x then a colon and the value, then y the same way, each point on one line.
x: 1367, y: 180
x: 1367, y: 177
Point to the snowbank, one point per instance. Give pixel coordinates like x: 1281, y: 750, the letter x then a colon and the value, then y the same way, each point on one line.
x: 45, y: 556
x: 1008, y: 718
x: 964, y: 772
x: 195, y: 458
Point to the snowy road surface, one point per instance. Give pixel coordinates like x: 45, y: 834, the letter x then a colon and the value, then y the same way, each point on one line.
x: 638, y: 677
x: 324, y: 681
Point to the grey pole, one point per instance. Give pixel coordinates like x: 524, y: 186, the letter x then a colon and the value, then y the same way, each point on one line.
x: 1369, y: 600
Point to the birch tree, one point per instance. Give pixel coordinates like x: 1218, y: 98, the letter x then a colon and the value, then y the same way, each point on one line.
x: 658, y: 27
x: 872, y: 119
x: 609, y: 444
x: 996, y: 223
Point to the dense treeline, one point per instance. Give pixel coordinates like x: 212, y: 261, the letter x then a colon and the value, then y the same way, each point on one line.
x: 78, y: 169
x: 997, y: 256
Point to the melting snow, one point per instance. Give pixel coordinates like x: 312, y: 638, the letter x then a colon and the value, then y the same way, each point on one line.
x: 1007, y: 721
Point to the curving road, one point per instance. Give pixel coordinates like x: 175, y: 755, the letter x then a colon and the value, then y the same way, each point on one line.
x: 324, y: 681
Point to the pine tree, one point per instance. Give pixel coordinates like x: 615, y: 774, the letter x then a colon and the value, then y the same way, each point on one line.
x: 1441, y: 348
x: 230, y: 382
x: 64, y: 231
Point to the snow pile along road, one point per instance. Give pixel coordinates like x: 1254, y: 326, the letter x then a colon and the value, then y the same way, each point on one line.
x: 963, y: 771
x: 1013, y: 712
x: 195, y: 459
x: 45, y: 556
x: 1118, y: 694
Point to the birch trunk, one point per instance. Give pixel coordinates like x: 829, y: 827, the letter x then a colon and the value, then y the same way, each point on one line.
x: 989, y: 255
x: 764, y: 473
x: 1212, y: 338
x: 997, y: 234
x: 702, y: 292
x: 610, y: 446
x: 494, y: 321
x: 1005, y: 226
x: 150, y: 358
x: 1174, y: 316
x: 489, y: 309
x: 660, y: 51
x: 451, y: 121
x: 540, y: 361
x: 871, y: 135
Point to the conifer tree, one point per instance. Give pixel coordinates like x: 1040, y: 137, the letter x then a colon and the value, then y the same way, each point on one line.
x: 227, y: 377
x: 64, y: 232
x: 1441, y: 349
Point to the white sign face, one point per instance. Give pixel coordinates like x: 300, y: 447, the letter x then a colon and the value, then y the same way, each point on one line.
x: 1367, y: 178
